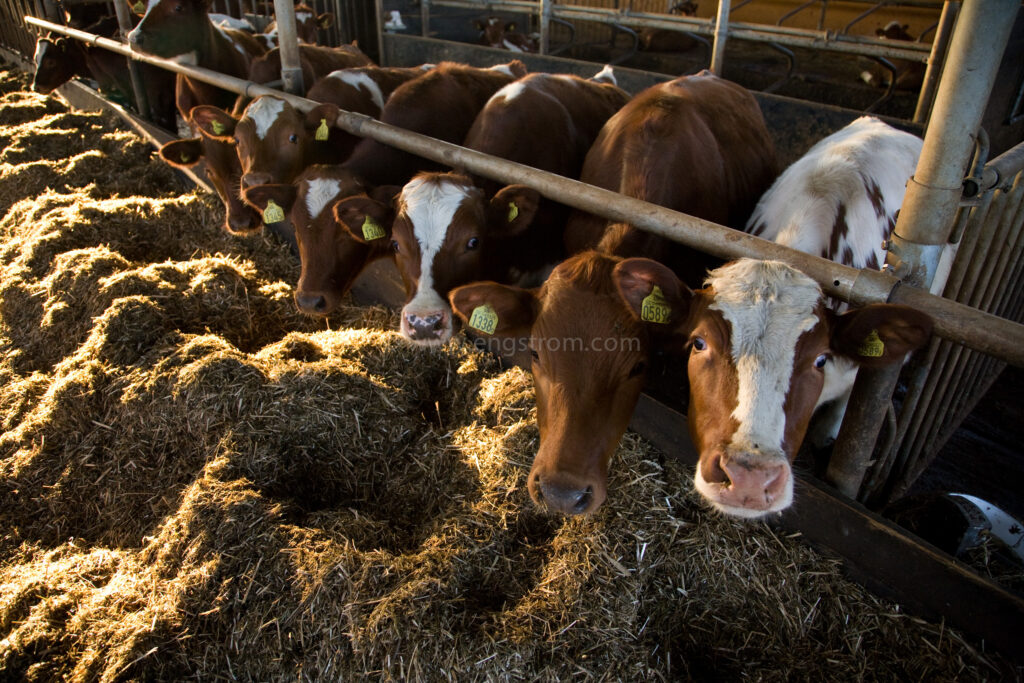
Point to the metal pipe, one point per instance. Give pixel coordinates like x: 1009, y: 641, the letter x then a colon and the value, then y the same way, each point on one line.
x: 288, y: 41
x: 425, y: 17
x: 378, y: 8
x: 721, y: 35
x: 124, y: 22
x: 936, y: 60
x: 546, y: 8
x: 1001, y: 170
x: 970, y: 327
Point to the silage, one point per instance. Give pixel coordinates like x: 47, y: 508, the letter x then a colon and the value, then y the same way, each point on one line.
x: 195, y: 481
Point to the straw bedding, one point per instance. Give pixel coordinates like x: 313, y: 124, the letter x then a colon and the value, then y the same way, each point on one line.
x: 197, y: 482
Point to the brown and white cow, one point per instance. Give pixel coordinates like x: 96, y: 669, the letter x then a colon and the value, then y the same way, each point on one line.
x: 668, y: 40
x: 496, y: 32
x: 697, y: 144
x: 445, y: 233
x: 329, y: 265
x: 906, y: 74
x: 307, y: 24
x: 442, y: 104
x: 760, y: 338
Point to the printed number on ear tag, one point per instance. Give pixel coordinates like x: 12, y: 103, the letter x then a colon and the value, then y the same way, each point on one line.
x: 372, y: 229
x: 872, y: 346
x: 513, y: 211
x: 218, y: 127
x: 484, y: 319
x: 273, y: 213
x: 655, y: 308
x: 323, y: 131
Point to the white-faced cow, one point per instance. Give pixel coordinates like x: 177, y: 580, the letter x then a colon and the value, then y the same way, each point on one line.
x: 840, y: 201
x: 906, y: 74
x: 698, y: 145
x: 496, y: 32
x: 307, y: 24
x: 442, y: 104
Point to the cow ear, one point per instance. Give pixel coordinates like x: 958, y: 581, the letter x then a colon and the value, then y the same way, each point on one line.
x: 517, y: 68
x: 264, y: 197
x: 320, y: 121
x: 385, y: 194
x: 880, y: 334
x: 511, y: 210
x: 491, y: 308
x: 366, y: 219
x: 652, y: 292
x: 325, y: 20
x: 182, y: 153
x: 214, y: 122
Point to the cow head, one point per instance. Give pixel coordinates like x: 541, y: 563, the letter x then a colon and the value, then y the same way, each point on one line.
x: 171, y: 28
x: 330, y: 257
x: 308, y: 23
x: 764, y: 352
x: 274, y: 141
x: 444, y: 233
x: 589, y: 358
x: 54, y: 65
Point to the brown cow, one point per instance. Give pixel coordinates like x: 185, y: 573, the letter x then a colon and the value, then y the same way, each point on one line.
x: 909, y: 74
x: 495, y: 32
x: 698, y: 145
x: 669, y: 40
x: 307, y: 24
x: 314, y: 60
x: 442, y: 104
x: 760, y: 339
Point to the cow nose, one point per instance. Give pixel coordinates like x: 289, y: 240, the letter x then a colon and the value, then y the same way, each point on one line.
x: 427, y: 326
x: 311, y: 304
x: 569, y: 500
x: 254, y: 179
x: 749, y: 482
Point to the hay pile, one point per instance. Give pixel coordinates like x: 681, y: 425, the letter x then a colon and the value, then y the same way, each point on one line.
x: 195, y: 481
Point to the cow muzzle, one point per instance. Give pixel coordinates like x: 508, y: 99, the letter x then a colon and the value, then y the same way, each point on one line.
x: 564, y: 492
x: 745, y: 484
x: 427, y: 327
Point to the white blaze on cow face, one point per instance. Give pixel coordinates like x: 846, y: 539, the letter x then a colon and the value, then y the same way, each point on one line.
x: 429, y: 206
x: 320, y: 194
x: 768, y: 307
x: 263, y: 113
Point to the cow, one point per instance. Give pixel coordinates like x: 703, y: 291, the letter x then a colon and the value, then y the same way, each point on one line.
x: 761, y: 341
x: 669, y: 40
x: 908, y: 74
x: 182, y: 30
x: 59, y: 60
x: 449, y: 229
x: 314, y: 60
x: 697, y: 144
x: 840, y: 201
x: 442, y: 104
x: 495, y: 32
x: 307, y: 24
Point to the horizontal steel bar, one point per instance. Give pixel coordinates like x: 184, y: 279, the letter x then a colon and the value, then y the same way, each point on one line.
x: 965, y: 325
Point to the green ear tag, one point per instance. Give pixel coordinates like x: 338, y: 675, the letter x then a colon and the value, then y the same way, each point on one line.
x: 655, y: 308
x: 372, y: 229
x: 273, y: 213
x: 872, y: 346
x: 484, y: 319
x: 513, y: 211
x: 218, y: 127
x: 138, y: 8
x: 323, y: 131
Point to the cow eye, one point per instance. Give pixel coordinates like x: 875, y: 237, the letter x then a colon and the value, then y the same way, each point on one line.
x: 638, y: 369
x: 699, y: 344
x: 394, y: 246
x: 473, y: 243
x: 820, y: 361
x: 293, y: 138
x: 534, y: 354
x: 178, y: 7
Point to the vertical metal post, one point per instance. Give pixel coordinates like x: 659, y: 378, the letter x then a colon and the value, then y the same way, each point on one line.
x: 124, y: 22
x: 425, y: 17
x: 378, y: 10
x: 546, y: 11
x: 929, y: 207
x: 721, y: 34
x: 936, y: 59
x: 291, y: 71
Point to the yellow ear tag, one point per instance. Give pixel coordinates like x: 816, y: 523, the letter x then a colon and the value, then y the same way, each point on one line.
x: 372, y: 229
x: 655, y: 308
x: 138, y: 8
x: 185, y: 158
x: 872, y: 346
x: 513, y: 211
x: 218, y: 127
x: 323, y: 131
x: 484, y: 319
x: 273, y: 213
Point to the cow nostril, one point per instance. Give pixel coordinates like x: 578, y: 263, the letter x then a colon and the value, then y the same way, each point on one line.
x: 583, y: 501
